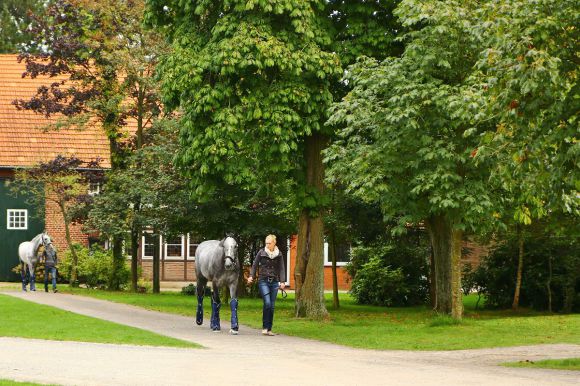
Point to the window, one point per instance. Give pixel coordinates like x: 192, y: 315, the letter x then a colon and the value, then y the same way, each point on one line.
x: 17, y: 219
x: 192, y: 243
x: 174, y: 248
x: 342, y: 254
x: 94, y: 188
x: 148, y: 246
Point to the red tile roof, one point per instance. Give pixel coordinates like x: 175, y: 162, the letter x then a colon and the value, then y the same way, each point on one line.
x: 23, y: 142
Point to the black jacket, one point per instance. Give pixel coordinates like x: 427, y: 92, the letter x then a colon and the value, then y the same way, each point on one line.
x: 269, y: 267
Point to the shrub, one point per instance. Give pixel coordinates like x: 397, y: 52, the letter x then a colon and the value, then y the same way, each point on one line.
x: 394, y: 274
x: 379, y: 285
x: 95, y: 266
x: 189, y: 289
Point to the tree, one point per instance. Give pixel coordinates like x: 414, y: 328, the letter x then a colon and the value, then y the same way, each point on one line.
x: 530, y: 89
x: 108, y: 60
x: 15, y: 18
x: 254, y: 84
x: 403, y: 145
x: 65, y: 182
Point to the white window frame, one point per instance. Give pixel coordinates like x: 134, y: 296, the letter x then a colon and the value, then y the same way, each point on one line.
x: 167, y: 257
x: 189, y: 244
x: 143, y: 255
x: 287, y: 267
x: 327, y: 262
x: 13, y: 212
x: 93, y: 192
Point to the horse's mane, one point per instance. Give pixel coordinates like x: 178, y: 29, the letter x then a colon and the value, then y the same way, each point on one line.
x: 37, y: 237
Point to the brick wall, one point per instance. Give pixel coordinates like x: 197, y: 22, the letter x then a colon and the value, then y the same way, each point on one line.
x: 343, y: 277
x: 170, y: 270
x: 55, y: 227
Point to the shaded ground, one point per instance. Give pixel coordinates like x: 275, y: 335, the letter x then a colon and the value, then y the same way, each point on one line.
x: 244, y: 359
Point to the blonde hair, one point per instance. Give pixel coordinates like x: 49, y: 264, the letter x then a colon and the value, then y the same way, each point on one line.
x: 271, y: 237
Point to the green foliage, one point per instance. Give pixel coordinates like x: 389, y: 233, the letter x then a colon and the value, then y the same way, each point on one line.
x: 14, y: 22
x: 391, y: 274
x: 402, y: 142
x: 190, y: 290
x: 252, y: 81
x: 364, y: 28
x: 526, y: 80
x: 379, y: 285
x: 95, y: 267
x: 496, y: 276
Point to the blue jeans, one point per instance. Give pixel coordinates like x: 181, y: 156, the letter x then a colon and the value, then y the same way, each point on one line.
x: 52, y: 271
x: 268, y: 290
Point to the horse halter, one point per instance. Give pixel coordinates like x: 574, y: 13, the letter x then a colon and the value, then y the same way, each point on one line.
x: 44, y: 242
x: 233, y: 258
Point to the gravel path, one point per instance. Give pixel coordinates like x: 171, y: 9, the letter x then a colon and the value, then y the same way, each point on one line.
x: 246, y: 358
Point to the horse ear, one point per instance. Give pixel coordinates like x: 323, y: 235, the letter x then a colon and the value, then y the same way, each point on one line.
x: 222, y: 242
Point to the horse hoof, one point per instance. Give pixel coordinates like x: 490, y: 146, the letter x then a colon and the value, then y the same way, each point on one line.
x: 199, y: 322
x: 234, y: 332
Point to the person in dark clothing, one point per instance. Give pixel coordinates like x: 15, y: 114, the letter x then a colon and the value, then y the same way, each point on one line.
x: 271, y: 277
x: 50, y: 262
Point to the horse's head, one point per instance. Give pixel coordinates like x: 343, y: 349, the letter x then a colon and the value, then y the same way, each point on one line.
x: 45, y: 239
x: 230, y: 247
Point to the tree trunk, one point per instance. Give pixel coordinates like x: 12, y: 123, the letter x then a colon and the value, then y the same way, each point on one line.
x: 549, y: 283
x: 75, y: 259
x: 332, y: 255
x: 516, y: 301
x: 446, y: 243
x: 432, y: 279
x: 243, y: 250
x: 135, y: 235
x: 309, y: 271
x: 118, y: 261
x: 156, y: 265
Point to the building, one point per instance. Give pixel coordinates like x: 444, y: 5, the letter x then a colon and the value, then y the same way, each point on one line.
x: 23, y: 144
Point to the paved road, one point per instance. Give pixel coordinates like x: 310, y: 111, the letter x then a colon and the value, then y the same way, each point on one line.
x: 252, y: 359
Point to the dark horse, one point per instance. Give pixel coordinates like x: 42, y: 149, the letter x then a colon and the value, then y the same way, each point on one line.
x: 217, y: 261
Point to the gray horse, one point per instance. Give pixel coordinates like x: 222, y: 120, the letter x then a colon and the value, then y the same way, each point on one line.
x: 27, y: 251
x: 217, y: 261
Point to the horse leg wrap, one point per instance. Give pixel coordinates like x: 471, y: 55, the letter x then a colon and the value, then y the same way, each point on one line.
x: 234, y: 308
x: 33, y: 282
x: 215, y: 316
x: 199, y: 313
x: 23, y: 276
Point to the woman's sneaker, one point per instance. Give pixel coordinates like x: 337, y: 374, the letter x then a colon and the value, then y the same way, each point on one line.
x: 264, y: 332
x: 270, y: 333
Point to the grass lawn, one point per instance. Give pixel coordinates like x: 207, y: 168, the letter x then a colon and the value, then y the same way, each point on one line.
x: 558, y: 364
x: 21, y: 318
x: 413, y: 328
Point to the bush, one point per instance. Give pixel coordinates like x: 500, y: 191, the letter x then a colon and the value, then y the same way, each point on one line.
x: 379, y: 285
x: 496, y: 276
x: 95, y: 266
x: 189, y: 290
x: 394, y: 274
